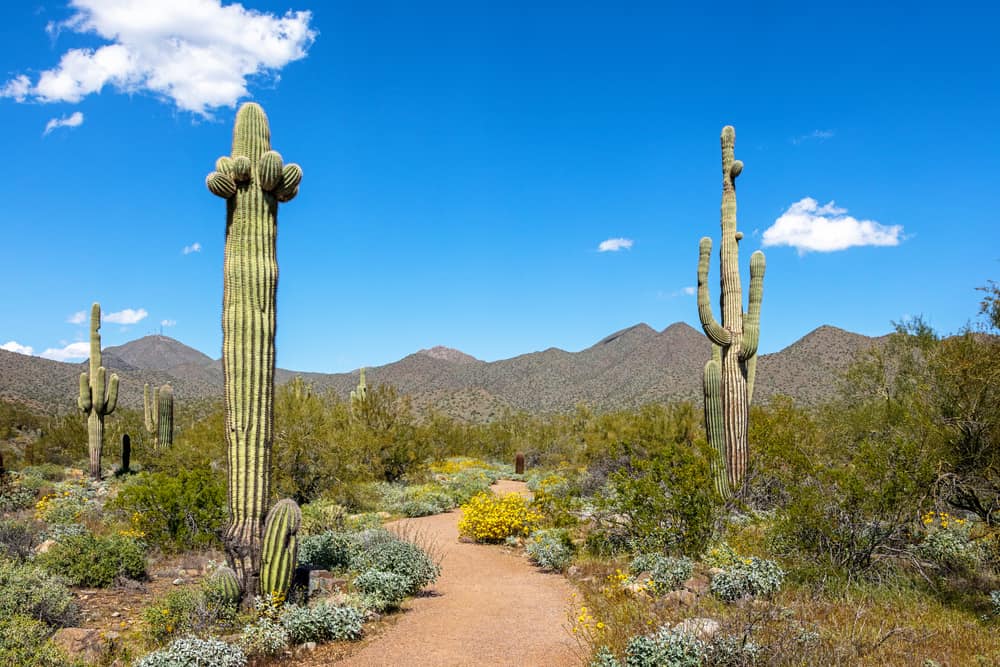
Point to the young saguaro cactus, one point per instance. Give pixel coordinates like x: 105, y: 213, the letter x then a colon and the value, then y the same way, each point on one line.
x: 159, y: 414
x: 253, y: 180
x: 729, y: 375
x: 359, y: 394
x: 93, y: 400
x: 280, y: 552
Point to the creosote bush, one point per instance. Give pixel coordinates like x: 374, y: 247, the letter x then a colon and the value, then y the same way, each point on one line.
x: 490, y: 518
x: 92, y: 560
x: 28, y: 590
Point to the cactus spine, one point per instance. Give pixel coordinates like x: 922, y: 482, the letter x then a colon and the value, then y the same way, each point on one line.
x: 93, y: 400
x: 159, y: 413
x: 253, y: 180
x: 280, y: 551
x: 729, y: 375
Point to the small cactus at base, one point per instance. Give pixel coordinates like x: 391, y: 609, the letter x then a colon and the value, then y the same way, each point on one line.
x: 93, y: 400
x: 159, y: 414
x: 279, y: 555
x: 224, y: 581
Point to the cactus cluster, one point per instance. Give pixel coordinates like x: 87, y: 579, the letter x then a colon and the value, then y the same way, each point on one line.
x: 729, y: 374
x: 253, y: 180
x: 159, y: 414
x: 98, y: 394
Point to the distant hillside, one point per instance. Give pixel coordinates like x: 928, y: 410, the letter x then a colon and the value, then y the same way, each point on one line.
x: 626, y: 369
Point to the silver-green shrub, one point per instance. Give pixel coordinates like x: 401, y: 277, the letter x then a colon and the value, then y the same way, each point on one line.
x: 264, y: 637
x: 666, y: 573
x: 28, y: 590
x: 380, y: 550
x: 748, y: 578
x: 324, y: 622
x: 664, y: 648
x: 326, y: 551
x: 550, y: 549
x: 382, y: 590
x: 194, y: 652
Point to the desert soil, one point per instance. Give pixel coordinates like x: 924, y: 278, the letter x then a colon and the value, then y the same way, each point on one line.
x: 490, y: 606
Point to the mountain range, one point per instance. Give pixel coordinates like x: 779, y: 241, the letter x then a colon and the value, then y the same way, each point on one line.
x: 626, y: 369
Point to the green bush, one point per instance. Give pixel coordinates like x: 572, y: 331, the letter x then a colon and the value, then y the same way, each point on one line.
x: 382, y: 590
x: 664, y: 648
x: 264, y: 637
x: 91, y: 560
x: 24, y: 642
x: 28, y: 590
x: 666, y: 573
x: 177, y: 510
x: 18, y: 491
x: 17, y: 540
x: 381, y: 550
x: 749, y: 577
x: 194, y: 652
x: 322, y: 515
x: 328, y: 551
x: 324, y: 622
x: 187, y: 611
x: 550, y: 549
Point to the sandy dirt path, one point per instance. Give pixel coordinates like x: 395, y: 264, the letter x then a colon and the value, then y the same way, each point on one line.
x: 489, y: 607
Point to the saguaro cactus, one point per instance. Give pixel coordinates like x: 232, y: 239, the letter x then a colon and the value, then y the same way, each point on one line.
x: 253, y: 180
x: 93, y: 400
x: 280, y: 552
x: 519, y: 463
x: 159, y: 413
x: 359, y: 394
x: 729, y: 375
x: 126, y: 454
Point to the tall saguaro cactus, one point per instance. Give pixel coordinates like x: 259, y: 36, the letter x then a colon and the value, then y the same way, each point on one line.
x: 359, y: 394
x: 729, y: 375
x: 253, y: 180
x: 93, y: 400
x: 159, y: 414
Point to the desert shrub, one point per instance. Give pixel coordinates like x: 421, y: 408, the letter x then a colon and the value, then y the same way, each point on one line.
x: 491, y: 518
x: 194, y: 652
x: 664, y: 648
x: 380, y: 550
x: 177, y: 510
x: 417, y: 508
x: 327, y: 551
x: 947, y: 543
x: 750, y: 577
x: 666, y: 573
x: 17, y: 539
x: 382, y: 590
x: 550, y: 549
x: 61, y: 531
x: 264, y: 637
x: 720, y: 555
x: 324, y: 622
x: 49, y: 472
x: 995, y: 600
x: 18, y: 491
x: 28, y: 590
x: 171, y: 616
x: 24, y: 642
x: 91, y: 560
x: 364, y: 521
x: 322, y: 515
x: 69, y: 502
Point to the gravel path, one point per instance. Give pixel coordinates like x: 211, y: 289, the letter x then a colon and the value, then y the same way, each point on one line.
x: 489, y: 607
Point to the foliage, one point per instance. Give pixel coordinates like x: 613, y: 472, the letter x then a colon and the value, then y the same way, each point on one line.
x: 995, y: 600
x: 69, y: 502
x: 664, y: 648
x: 947, y: 543
x: 382, y: 590
x: 322, y: 515
x: 176, y: 511
x: 749, y: 577
x: 550, y: 549
x: 24, y: 642
x: 381, y: 550
x: 17, y: 539
x: 91, y: 560
x: 328, y: 551
x: 18, y: 491
x: 323, y: 622
x: 28, y: 590
x: 491, y: 518
x: 194, y: 652
x: 264, y: 637
x: 666, y: 573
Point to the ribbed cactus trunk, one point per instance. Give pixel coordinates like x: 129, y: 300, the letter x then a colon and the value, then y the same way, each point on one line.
x: 253, y: 181
x: 729, y: 375
x: 159, y: 414
x: 126, y: 454
x: 93, y: 400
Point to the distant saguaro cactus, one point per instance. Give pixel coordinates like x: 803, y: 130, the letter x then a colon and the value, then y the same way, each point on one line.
x: 729, y: 375
x: 519, y: 463
x: 159, y: 413
x: 126, y: 454
x: 252, y: 181
x: 93, y: 400
x: 359, y: 394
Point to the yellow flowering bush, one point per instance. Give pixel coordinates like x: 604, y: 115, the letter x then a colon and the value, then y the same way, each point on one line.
x: 490, y: 518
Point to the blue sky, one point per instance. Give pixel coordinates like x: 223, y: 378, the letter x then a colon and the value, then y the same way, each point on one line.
x: 464, y: 162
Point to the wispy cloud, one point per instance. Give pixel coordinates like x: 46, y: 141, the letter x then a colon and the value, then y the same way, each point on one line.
x: 815, y: 135
x: 807, y: 226
x: 614, y: 245
x: 127, y: 316
x: 684, y: 291
x: 79, y: 317
x: 72, y: 351
x: 168, y: 323
x: 75, y: 119
x: 199, y: 54
x: 194, y: 247
x: 14, y: 346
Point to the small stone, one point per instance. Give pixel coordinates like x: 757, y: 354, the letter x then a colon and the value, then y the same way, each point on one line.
x: 701, y: 628
x: 679, y: 599
x: 573, y: 572
x: 178, y: 581
x: 698, y: 584
x: 44, y: 546
x: 714, y: 572
x: 115, y: 614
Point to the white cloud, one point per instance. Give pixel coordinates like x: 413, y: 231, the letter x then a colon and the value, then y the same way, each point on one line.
x: 78, y: 317
x: 75, y: 119
x: 127, y: 316
x: 194, y: 247
x: 807, y: 226
x: 79, y: 350
x: 14, y: 346
x: 689, y: 291
x: 168, y: 323
x: 815, y: 135
x: 614, y: 245
x: 197, y: 53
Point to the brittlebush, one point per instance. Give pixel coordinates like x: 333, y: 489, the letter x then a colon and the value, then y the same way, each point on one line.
x: 490, y: 518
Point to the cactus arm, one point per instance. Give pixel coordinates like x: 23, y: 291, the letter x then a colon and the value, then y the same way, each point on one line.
x: 148, y: 409
x: 715, y: 333
x: 751, y: 322
x: 279, y: 555
x: 291, y: 176
x: 220, y: 185
x: 84, y: 400
x: 112, y: 400
x: 751, y: 376
x: 714, y: 429
x: 98, y: 398
x: 271, y: 167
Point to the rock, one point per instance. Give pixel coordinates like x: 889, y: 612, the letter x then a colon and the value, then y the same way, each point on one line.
x: 85, y: 643
x: 324, y: 582
x: 698, y: 584
x: 702, y: 628
x: 639, y: 585
x: 44, y: 546
x: 466, y: 540
x: 308, y: 647
x: 573, y: 572
x: 101, y: 491
x: 115, y: 614
x: 678, y: 599
x: 178, y: 581
x: 714, y: 572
